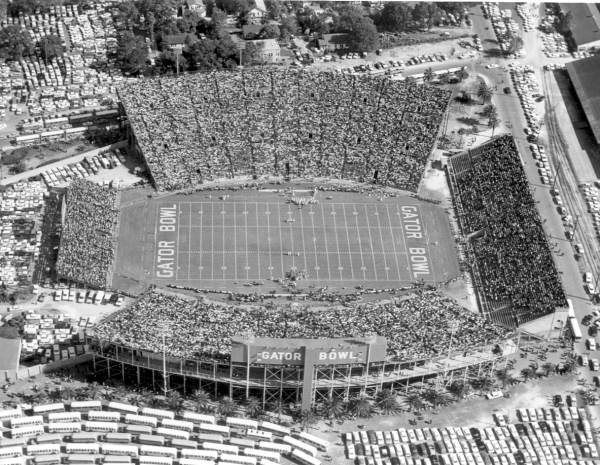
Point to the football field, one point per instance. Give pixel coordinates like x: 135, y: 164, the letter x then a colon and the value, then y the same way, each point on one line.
x: 342, y: 239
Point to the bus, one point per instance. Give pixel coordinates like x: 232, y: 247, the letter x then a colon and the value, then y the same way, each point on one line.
x: 158, y: 451
x: 573, y: 323
x: 155, y: 460
x: 172, y: 433
x: 85, y: 405
x: 274, y: 428
x: 82, y: 448
x: 177, y: 424
x: 119, y: 407
x: 43, y: 449
x: 219, y: 429
x: 141, y: 420
x: 307, y: 448
x: 275, y: 447
x: 313, y: 440
x: 27, y: 431
x: 81, y: 459
x: 119, y: 449
x: 101, y: 427
x: 241, y: 422
x: 304, y: 458
x: 158, y: 413
x: 198, y: 418
x: 223, y: 448
x: 195, y: 462
x: 26, y: 421
x: 199, y: 454
x: 45, y: 409
x: 99, y: 415
x: 263, y: 454
x: 64, y: 427
x: 239, y: 459
x: 12, y: 451
x: 64, y: 417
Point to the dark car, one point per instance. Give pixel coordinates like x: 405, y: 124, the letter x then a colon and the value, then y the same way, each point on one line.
x: 507, y: 90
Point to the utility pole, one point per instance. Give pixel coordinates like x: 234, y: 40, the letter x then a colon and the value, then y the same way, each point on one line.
x: 575, y: 226
x: 556, y: 176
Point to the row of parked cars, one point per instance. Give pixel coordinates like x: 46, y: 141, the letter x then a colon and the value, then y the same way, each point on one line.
x: 87, y: 297
x: 87, y: 167
x: 529, y: 92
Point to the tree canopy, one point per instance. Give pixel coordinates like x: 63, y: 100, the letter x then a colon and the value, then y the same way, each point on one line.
x: 15, y: 43
x: 132, y: 53
x: 51, y: 46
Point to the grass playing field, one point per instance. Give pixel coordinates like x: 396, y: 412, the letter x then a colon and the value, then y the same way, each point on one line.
x: 224, y: 239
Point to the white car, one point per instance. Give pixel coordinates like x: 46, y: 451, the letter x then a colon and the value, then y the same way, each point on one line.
x: 579, y: 249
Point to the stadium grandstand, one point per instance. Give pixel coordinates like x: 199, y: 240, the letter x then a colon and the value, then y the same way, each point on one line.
x: 93, y: 432
x: 511, y: 262
x: 199, y: 127
x: 584, y: 76
x: 294, y: 353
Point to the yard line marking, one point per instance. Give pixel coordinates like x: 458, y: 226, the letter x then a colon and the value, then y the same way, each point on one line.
x: 155, y: 252
x: 281, y: 240
x: 348, y: 239
x: 189, y: 242
x: 200, y: 267
x: 337, y: 244
x: 223, y: 267
x: 246, y: 236
x: 393, y: 242
x: 234, y: 242
x: 303, y: 244
x: 404, y: 242
x: 311, y: 213
x: 385, y: 265
x: 292, y: 242
x: 177, y: 256
x: 363, y: 268
x: 325, y: 241
x: 257, y: 238
x: 212, y: 242
x: 427, y: 245
x: 269, y: 242
x: 371, y: 243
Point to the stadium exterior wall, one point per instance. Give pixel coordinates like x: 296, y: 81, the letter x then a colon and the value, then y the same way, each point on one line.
x: 282, y: 383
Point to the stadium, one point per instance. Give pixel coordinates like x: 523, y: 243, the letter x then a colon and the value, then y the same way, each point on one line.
x: 275, y: 186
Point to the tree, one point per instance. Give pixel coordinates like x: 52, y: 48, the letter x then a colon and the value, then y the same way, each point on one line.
x: 505, y: 377
x: 548, y: 368
x: 203, y: 401
x: 157, y: 13
x: 168, y: 61
x: 132, y: 53
x: 420, y: 13
x: 288, y: 26
x: 175, y: 401
x: 128, y: 15
x: 565, y: 22
x: 362, y: 35
x: 234, y: 7
x: 483, y: 383
x: 432, y: 14
x: 253, y: 53
x: 310, y: 22
x: 437, y: 396
x: 307, y: 418
x: 26, y: 7
x: 15, y: 43
x: 462, y: 74
x: 484, y: 92
x: 219, y: 18
x: 209, y: 54
x: 226, y: 406
x: 459, y: 388
x: 51, y: 46
x: 387, y: 402
x: 253, y: 407
x: 493, y: 122
x: 361, y: 407
x: 274, y: 9
x: 394, y: 17
x: 428, y: 75
x: 516, y: 44
x: 527, y: 373
x: 332, y: 408
x: 488, y: 110
x: 270, y: 31
x: 188, y: 22
x: 414, y: 401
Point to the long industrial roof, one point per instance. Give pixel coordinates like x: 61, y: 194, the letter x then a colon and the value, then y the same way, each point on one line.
x: 585, y: 25
x: 585, y: 75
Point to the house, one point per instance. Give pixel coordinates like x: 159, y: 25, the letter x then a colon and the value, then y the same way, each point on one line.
x: 268, y: 50
x: 329, y: 43
x: 585, y: 25
x: 174, y: 41
x: 197, y: 6
x: 256, y: 16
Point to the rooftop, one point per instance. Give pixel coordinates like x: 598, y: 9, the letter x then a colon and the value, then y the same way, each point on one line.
x: 586, y: 22
x: 584, y: 75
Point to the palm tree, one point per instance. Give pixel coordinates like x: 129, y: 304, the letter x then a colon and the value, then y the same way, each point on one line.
x: 307, y: 418
x: 548, y: 368
x: 462, y: 74
x: 493, y: 122
x: 226, y: 406
x: 361, y: 406
x: 484, y: 383
x: 459, y: 388
x: 332, y: 408
x: 428, y: 75
x: 174, y: 401
x: 203, y: 401
x: 54, y: 395
x: 414, y: 401
x: 387, y: 402
x: 437, y: 396
x: 527, y: 373
x: 484, y: 92
x: 156, y: 401
x: 253, y: 407
x: 505, y: 377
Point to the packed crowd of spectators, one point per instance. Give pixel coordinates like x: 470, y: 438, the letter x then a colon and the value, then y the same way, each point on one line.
x: 511, y: 253
x: 86, y: 249
x: 198, y: 127
x: 419, y: 325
